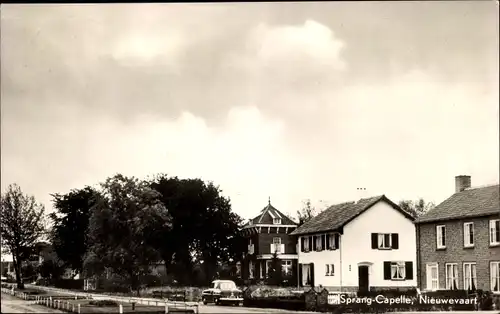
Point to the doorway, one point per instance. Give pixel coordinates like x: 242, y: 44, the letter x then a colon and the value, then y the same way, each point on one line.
x: 363, y: 282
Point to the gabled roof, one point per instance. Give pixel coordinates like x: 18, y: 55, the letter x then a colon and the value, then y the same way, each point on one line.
x: 273, y: 213
x: 472, y: 202
x: 339, y: 215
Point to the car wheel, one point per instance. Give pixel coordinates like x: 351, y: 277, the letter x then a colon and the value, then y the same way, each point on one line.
x: 204, y: 300
x: 216, y: 301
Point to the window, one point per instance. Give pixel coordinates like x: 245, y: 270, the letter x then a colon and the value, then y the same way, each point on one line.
x: 331, y: 241
x: 276, y: 240
x: 250, y: 270
x: 495, y: 232
x: 269, y: 267
x: 432, y: 275
x: 451, y: 277
x: 332, y: 270
x: 468, y: 234
x: 327, y: 270
x: 250, y: 242
x: 495, y: 276
x: 398, y: 271
x: 277, y: 221
x: 384, y: 241
x: 441, y: 237
x: 238, y: 269
x: 306, y: 275
x: 306, y: 244
x: 470, y: 280
x: 262, y: 265
x: 287, y: 267
x: 319, y: 243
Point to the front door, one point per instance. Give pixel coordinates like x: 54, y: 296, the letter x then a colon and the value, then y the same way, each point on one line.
x: 363, y: 278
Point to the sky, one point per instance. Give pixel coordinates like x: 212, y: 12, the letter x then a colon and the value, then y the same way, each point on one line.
x: 290, y: 101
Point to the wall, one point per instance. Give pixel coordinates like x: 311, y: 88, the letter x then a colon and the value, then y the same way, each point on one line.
x: 355, y: 247
x: 482, y: 254
x: 265, y: 240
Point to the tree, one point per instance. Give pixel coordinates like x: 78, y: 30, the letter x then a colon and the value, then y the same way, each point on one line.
x: 122, y: 227
x: 70, y: 225
x: 275, y: 273
x: 307, y: 212
x: 417, y: 208
x: 204, y: 230
x: 22, y: 222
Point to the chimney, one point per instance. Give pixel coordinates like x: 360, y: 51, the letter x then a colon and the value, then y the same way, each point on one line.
x: 461, y: 183
x: 361, y: 193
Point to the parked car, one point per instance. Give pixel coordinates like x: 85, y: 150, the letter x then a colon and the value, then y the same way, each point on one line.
x: 222, y: 292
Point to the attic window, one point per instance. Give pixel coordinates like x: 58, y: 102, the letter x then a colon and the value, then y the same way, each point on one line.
x: 277, y: 221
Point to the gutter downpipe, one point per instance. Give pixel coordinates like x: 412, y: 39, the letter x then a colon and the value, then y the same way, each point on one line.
x: 341, y: 269
x: 418, y: 266
x: 298, y: 262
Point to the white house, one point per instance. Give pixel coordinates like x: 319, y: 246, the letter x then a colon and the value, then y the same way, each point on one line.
x: 358, y: 246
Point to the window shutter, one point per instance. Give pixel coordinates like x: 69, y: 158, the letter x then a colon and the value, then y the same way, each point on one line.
x: 337, y: 241
x: 409, y: 270
x: 395, y: 241
x: 374, y: 240
x: 301, y: 284
x: 302, y: 240
x: 313, y: 243
x: 312, y: 274
x: 387, y: 270
x: 323, y: 240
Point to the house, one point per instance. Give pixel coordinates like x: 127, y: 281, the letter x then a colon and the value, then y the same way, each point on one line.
x: 358, y: 246
x: 268, y: 235
x: 459, y: 240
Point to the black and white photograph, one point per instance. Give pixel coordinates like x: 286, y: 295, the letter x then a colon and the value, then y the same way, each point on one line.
x: 250, y: 157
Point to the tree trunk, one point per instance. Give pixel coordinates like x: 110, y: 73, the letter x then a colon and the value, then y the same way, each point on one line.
x: 17, y: 268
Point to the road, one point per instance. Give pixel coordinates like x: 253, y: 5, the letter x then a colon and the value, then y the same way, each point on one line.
x: 12, y: 304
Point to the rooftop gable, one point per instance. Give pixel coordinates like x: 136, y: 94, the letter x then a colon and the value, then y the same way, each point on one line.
x: 337, y: 216
x: 472, y: 202
x: 272, y: 212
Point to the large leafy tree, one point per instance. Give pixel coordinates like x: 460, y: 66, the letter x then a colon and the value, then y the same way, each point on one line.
x: 22, y: 223
x: 70, y: 225
x: 122, y: 228
x: 307, y: 212
x: 205, y: 231
x: 416, y: 208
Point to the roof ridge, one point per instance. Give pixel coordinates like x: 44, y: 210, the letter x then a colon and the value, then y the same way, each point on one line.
x: 482, y: 186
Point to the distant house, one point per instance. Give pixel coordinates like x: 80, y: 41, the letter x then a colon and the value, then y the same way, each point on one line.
x: 459, y: 240
x: 358, y: 246
x: 269, y: 234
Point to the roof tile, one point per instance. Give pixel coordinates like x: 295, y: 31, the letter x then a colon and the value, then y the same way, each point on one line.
x: 473, y: 202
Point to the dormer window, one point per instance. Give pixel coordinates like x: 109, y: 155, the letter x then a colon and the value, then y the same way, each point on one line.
x: 277, y: 221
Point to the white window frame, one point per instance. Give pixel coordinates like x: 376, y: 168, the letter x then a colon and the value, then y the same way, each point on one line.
x: 495, y: 277
x: 286, y: 267
x: 453, y: 277
x: 493, y: 232
x: 441, y: 236
x: 261, y: 272
x: 331, y: 241
x: 319, y: 242
x: 428, y: 276
x: 276, y: 221
x: 467, y: 234
x: 398, y: 271
x: 382, y: 241
x: 306, y: 244
x: 470, y: 275
x: 275, y: 241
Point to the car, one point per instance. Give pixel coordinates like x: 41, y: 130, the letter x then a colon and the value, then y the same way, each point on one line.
x: 222, y: 292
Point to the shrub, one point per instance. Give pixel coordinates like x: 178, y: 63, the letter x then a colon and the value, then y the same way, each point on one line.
x: 101, y: 303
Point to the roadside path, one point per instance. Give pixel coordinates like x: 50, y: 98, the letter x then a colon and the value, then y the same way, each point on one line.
x: 11, y: 304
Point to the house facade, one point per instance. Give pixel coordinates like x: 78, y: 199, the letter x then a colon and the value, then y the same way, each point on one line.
x: 268, y: 236
x: 358, y: 246
x: 459, y: 240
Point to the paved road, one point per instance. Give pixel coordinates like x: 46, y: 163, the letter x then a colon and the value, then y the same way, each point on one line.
x: 12, y: 304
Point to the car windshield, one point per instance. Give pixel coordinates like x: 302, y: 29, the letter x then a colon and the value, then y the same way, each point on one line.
x: 224, y: 285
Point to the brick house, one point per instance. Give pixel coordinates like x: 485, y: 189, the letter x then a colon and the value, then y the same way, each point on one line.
x: 365, y: 245
x: 269, y: 234
x: 458, y: 241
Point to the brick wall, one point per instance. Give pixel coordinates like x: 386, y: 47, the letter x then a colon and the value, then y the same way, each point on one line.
x: 455, y: 252
x: 266, y: 239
